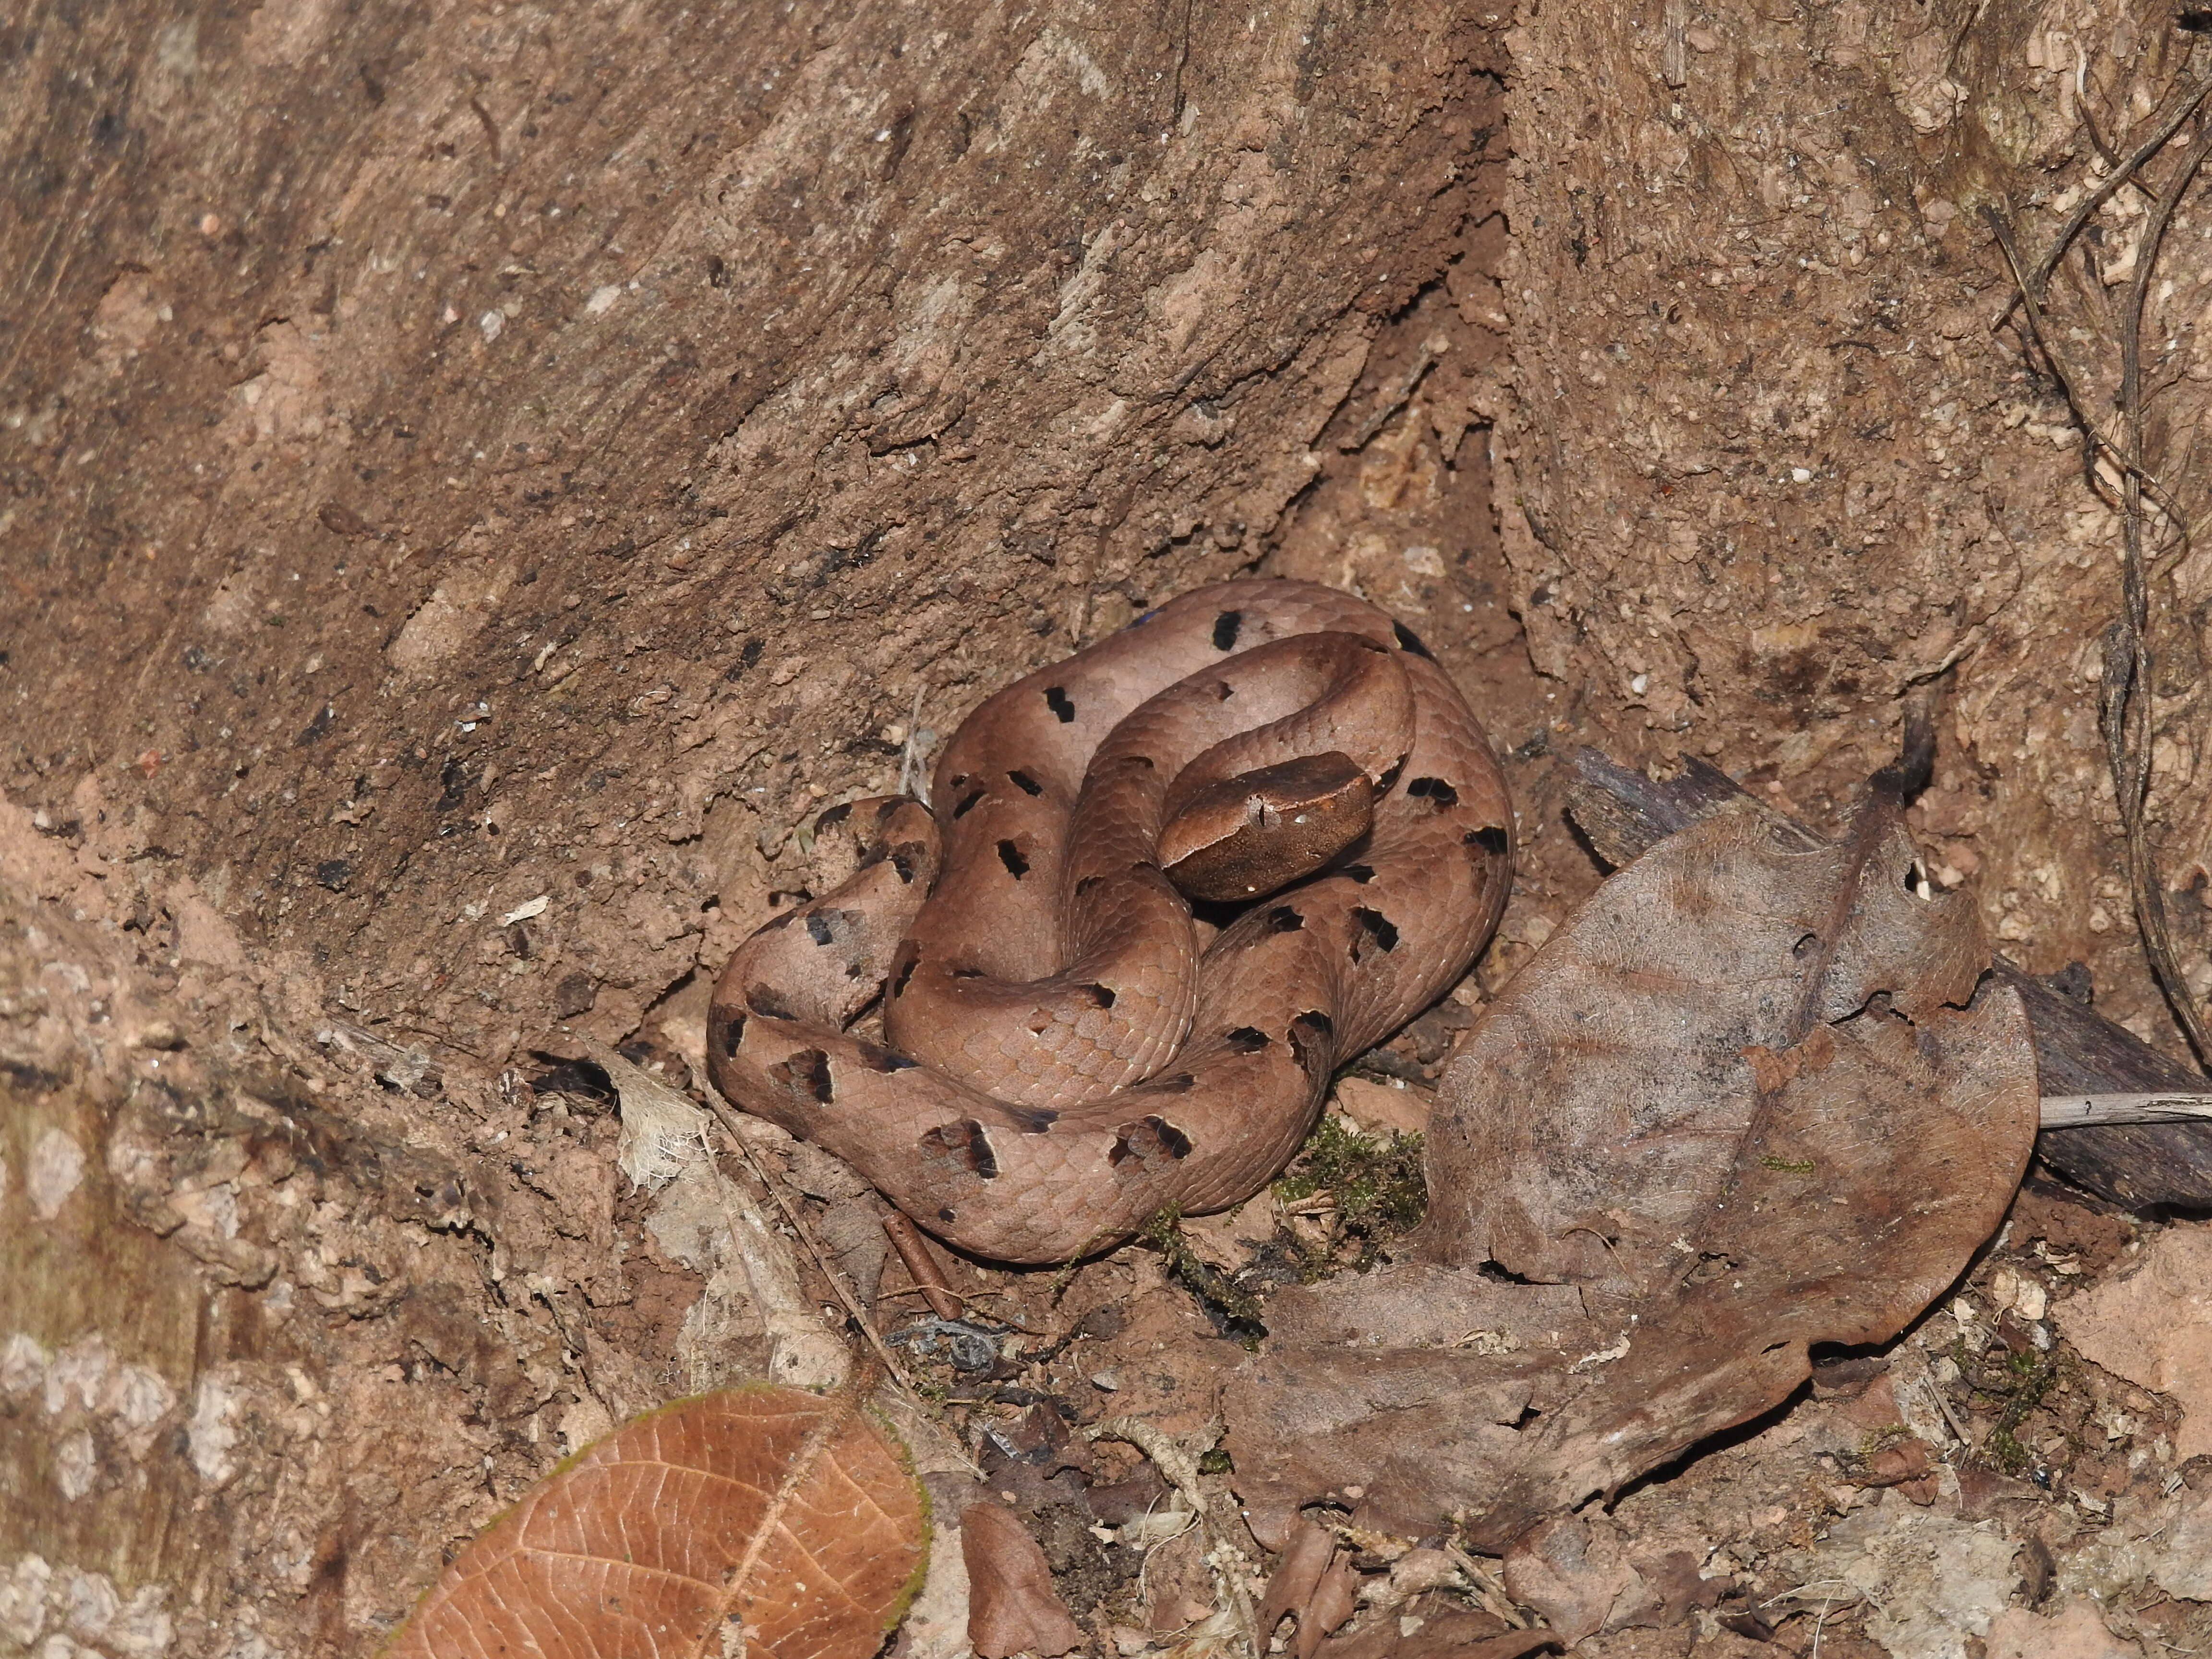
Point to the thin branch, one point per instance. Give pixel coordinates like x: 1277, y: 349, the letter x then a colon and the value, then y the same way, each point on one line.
x: 2128, y: 687
x: 2126, y: 707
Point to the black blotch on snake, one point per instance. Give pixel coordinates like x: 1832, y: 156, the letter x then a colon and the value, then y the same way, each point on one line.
x: 807, y: 1070
x: 1441, y: 795
x: 1025, y: 783
x: 1144, y: 1138
x: 1226, y: 626
x: 1411, y: 640
x: 1377, y: 926
x: 1490, y: 838
x: 877, y: 1058
x: 764, y: 1001
x: 1310, y: 1035
x: 1011, y: 856
x: 967, y: 1143
x: 1056, y: 699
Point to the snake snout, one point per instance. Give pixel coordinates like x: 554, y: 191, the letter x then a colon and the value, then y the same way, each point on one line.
x: 1245, y: 836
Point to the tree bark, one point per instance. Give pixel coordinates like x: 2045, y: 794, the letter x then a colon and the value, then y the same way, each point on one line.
x: 478, y: 482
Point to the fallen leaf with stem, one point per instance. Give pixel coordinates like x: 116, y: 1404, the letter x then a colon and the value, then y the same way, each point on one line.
x: 762, y: 1521
x: 1757, y: 1096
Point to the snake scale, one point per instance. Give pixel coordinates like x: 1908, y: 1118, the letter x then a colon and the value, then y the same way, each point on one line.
x: 1065, y: 1055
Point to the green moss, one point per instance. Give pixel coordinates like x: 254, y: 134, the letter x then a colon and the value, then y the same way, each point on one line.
x: 1375, y: 1180
x: 1234, y: 1310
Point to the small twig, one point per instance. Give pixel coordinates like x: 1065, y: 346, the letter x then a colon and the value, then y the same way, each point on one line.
x: 1431, y: 353
x: 2128, y: 689
x: 1488, y: 1588
x: 921, y: 1262
x: 2077, y: 1111
x: 914, y: 777
x: 729, y: 1116
x: 2125, y: 711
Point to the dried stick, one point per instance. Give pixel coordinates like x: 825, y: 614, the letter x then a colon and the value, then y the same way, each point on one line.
x: 860, y: 1314
x: 921, y: 1262
x: 2126, y: 707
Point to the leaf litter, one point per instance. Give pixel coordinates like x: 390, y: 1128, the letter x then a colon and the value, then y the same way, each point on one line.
x: 762, y: 1519
x: 1755, y: 1097
x: 1755, y: 1105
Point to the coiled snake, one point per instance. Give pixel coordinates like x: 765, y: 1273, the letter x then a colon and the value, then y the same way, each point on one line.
x: 1063, y: 1059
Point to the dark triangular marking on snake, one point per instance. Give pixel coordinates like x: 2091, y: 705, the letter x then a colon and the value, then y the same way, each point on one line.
x: 818, y: 929
x: 1310, y: 1035
x: 733, y: 1034
x: 904, y: 858
x: 877, y: 1058
x: 767, y: 1002
x: 1377, y: 928
x: 1490, y: 838
x: 1025, y: 783
x: 1148, y: 1138
x: 967, y: 1143
x: 1223, y: 690
x: 909, y: 958
x: 1088, y: 883
x: 1440, y: 795
x: 1099, y: 994
x: 1362, y: 873
x: 1226, y: 627
x: 1284, y: 919
x: 1011, y: 856
x: 806, y: 1072
x: 1383, y: 783
x: 1247, y: 1039
x: 1408, y: 640
x: 1031, y: 1120
x: 960, y: 807
x: 833, y: 817
x: 1056, y: 699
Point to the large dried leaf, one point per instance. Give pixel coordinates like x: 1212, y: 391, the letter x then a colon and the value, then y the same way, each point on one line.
x: 763, y: 1520
x: 1749, y: 1100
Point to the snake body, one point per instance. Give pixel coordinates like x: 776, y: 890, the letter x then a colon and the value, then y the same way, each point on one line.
x: 1063, y: 1059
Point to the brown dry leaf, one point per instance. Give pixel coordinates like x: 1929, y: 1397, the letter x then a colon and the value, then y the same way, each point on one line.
x: 1012, y: 1607
x: 1312, y: 1581
x: 1749, y: 1100
x: 787, y: 1519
